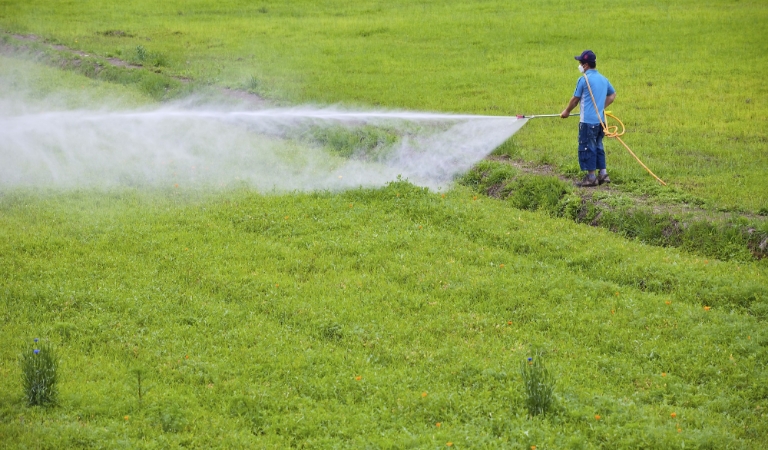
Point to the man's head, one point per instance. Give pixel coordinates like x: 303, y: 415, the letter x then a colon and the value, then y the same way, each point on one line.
x: 587, y: 58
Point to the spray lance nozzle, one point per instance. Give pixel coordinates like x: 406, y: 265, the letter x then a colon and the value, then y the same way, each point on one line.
x: 522, y: 116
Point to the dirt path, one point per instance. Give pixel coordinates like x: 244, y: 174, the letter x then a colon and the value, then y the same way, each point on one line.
x: 600, y: 195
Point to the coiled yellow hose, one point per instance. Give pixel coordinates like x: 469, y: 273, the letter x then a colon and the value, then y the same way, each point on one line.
x: 613, y: 131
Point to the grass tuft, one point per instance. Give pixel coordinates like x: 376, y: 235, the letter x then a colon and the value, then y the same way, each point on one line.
x: 538, y: 384
x: 533, y: 192
x: 39, y: 369
x: 141, y: 53
x: 253, y: 84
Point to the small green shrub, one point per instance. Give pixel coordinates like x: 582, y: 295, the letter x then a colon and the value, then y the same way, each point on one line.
x: 253, y: 84
x: 486, y: 175
x: 538, y: 384
x: 534, y: 192
x: 170, y: 417
x: 569, y: 206
x: 39, y: 369
x: 141, y: 53
x: 145, y: 57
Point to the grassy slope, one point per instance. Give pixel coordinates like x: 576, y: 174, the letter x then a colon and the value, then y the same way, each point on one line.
x: 279, y: 315
x: 251, y: 317
x: 31, y: 83
x: 689, y: 75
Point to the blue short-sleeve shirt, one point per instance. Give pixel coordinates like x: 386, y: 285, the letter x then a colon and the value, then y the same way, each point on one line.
x: 601, y: 88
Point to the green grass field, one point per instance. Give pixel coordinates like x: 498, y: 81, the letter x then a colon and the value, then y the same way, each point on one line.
x: 689, y: 76
x: 394, y: 317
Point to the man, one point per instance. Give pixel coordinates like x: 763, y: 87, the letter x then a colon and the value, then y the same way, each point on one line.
x: 591, y: 151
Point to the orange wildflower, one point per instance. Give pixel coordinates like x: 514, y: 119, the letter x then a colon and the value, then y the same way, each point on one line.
x: 668, y: 302
x: 663, y: 374
x: 358, y: 378
x: 509, y: 323
x: 474, y: 198
x: 449, y: 444
x: 186, y: 356
x: 533, y: 447
x: 673, y: 415
x: 707, y: 308
x: 127, y: 417
x: 597, y: 416
x: 423, y: 394
x: 438, y: 424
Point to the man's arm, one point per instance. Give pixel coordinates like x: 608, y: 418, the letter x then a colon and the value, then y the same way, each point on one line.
x: 572, y: 104
x: 609, y: 99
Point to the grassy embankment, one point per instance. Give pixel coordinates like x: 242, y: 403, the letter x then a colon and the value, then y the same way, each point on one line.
x: 324, y: 319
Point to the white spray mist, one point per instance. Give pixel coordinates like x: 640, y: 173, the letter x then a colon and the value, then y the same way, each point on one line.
x: 216, y: 146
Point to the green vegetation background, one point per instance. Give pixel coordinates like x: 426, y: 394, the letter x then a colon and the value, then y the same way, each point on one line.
x: 365, y: 318
x: 689, y: 74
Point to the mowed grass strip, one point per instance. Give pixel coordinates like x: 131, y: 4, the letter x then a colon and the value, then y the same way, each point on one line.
x: 366, y: 318
x: 689, y: 75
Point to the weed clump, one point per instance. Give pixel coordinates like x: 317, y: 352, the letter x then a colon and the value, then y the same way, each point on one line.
x: 367, y: 142
x: 39, y: 369
x: 141, y: 53
x: 331, y: 332
x: 145, y: 57
x: 538, y: 384
x: 537, y: 193
x: 253, y: 84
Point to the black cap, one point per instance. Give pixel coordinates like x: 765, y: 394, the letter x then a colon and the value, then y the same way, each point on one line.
x: 586, y: 56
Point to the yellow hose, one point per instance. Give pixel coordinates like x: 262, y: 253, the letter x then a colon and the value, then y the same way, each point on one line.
x: 613, y: 130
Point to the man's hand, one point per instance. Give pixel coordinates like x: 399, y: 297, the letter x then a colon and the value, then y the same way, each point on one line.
x: 571, y: 104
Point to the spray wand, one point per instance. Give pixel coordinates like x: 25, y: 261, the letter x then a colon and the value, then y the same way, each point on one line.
x: 520, y: 116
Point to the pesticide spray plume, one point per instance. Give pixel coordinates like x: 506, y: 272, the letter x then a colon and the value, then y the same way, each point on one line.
x: 275, y: 149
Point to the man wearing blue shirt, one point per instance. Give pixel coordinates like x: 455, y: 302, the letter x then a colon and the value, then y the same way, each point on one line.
x: 591, y: 151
